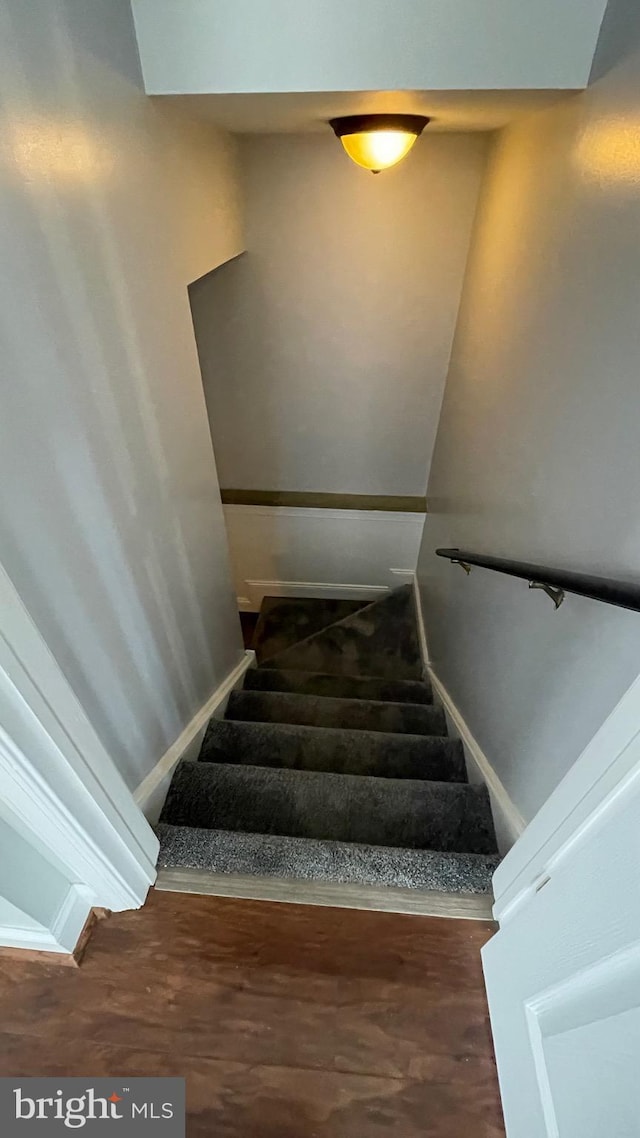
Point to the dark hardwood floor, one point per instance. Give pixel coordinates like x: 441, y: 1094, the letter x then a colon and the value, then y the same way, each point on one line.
x: 287, y: 1021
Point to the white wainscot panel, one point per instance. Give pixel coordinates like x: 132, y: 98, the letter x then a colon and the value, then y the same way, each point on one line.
x: 294, y: 551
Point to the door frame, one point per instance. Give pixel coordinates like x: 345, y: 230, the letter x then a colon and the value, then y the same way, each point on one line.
x: 58, y: 784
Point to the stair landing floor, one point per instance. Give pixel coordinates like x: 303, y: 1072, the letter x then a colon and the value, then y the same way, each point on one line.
x: 284, y: 1020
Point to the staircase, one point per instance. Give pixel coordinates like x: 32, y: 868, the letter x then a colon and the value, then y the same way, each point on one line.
x: 331, y: 777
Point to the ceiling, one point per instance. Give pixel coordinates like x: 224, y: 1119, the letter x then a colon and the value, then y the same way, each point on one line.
x: 308, y: 112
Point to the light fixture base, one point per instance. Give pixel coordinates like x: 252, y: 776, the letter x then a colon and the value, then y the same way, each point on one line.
x: 363, y: 124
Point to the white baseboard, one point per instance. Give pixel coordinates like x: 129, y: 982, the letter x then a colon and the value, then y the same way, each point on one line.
x: 66, y: 926
x: 151, y: 792
x: 71, y: 917
x: 508, y: 820
x: 35, y: 940
x: 422, y: 632
x: 258, y: 590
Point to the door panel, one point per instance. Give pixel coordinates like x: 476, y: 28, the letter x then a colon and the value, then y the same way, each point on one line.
x: 563, y: 980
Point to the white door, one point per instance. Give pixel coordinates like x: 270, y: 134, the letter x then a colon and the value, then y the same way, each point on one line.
x: 563, y: 972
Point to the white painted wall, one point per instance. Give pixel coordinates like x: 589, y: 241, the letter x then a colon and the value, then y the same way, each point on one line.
x: 324, y: 351
x: 367, y: 45
x: 295, y: 552
x: 537, y: 452
x: 111, y: 525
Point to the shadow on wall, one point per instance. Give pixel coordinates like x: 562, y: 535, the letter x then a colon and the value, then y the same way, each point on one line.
x: 286, y: 386
x: 231, y: 325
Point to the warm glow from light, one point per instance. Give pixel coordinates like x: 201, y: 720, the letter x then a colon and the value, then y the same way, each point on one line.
x: 64, y: 152
x: 378, y: 149
x: 609, y: 152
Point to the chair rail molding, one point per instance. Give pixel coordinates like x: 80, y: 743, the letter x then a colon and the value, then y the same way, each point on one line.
x: 59, y: 784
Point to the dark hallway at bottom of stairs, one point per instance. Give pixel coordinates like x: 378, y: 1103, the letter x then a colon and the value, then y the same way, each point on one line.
x: 333, y: 768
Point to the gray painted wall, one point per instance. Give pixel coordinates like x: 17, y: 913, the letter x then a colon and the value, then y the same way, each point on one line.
x: 537, y: 453
x: 324, y: 350
x: 111, y: 526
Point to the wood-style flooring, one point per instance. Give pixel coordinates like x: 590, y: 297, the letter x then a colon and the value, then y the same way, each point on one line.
x: 287, y: 1021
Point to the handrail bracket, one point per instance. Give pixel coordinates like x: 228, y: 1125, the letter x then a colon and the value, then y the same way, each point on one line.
x: 557, y: 595
x: 463, y: 565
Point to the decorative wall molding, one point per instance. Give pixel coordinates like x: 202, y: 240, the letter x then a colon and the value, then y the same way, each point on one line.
x: 151, y: 793
x: 296, y: 551
x: 324, y: 514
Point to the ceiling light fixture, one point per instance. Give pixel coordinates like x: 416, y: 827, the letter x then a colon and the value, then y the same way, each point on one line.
x: 377, y: 142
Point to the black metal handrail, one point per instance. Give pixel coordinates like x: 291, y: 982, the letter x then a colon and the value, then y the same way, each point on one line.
x: 555, y: 582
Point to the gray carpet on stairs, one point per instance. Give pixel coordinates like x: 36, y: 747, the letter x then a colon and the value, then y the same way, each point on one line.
x: 413, y: 814
x: 342, y: 687
x: 327, y: 711
x: 285, y: 621
x: 333, y: 764
x: 334, y: 749
x: 276, y: 855
x: 379, y: 640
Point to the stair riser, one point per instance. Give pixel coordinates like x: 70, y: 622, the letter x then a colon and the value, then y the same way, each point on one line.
x: 341, y: 687
x: 322, y: 711
x: 336, y: 751
x: 412, y: 815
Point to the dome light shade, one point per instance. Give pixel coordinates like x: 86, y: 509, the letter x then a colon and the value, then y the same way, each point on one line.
x: 377, y: 142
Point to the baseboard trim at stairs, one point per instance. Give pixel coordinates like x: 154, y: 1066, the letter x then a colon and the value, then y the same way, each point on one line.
x: 422, y: 632
x: 508, y: 821
x: 382, y: 899
x: 65, y: 929
x: 152, y: 791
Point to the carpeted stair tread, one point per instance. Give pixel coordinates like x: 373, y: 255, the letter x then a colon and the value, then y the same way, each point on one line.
x: 285, y: 621
x: 379, y: 640
x: 408, y: 813
x: 341, y: 687
x: 336, y: 750
x: 307, y: 859
x: 328, y: 711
